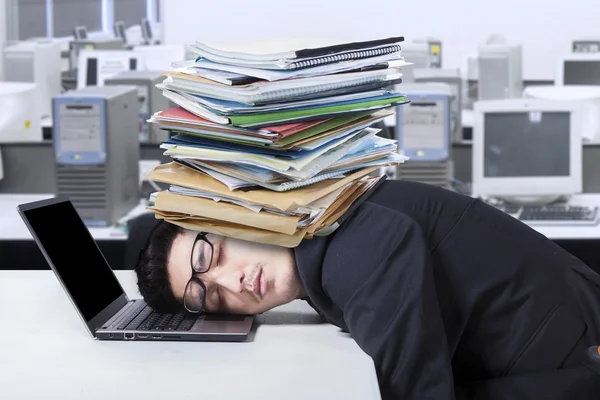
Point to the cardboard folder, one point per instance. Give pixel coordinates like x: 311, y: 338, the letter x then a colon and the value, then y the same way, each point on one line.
x: 174, y: 174
x: 239, y: 232
x: 167, y: 201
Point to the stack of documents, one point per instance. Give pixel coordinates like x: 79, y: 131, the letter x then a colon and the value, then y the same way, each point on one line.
x: 275, y: 148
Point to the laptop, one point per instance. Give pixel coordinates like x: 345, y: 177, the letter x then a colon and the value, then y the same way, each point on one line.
x: 97, y: 295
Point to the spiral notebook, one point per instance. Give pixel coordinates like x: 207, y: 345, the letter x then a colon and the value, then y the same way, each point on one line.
x: 300, y: 59
x: 276, y: 91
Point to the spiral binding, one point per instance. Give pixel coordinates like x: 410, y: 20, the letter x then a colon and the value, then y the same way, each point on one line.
x: 353, y: 55
x: 295, y: 185
x: 316, y: 89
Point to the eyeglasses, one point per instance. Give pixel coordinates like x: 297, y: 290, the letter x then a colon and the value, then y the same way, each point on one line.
x: 194, y: 296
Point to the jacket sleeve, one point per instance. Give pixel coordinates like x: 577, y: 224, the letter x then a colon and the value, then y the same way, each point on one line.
x: 380, y: 276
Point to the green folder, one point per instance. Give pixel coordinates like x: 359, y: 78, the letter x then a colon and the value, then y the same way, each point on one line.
x: 290, y: 115
x: 307, y: 133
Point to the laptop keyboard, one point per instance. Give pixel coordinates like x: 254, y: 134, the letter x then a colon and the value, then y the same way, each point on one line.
x: 143, y: 318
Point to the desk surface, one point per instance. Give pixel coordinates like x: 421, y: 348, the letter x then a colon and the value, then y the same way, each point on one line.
x: 47, y: 351
x: 13, y: 228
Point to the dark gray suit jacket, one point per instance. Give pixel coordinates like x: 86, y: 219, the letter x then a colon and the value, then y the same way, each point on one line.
x: 454, y: 299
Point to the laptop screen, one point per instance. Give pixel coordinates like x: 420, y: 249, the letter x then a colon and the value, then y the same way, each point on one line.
x: 75, y: 256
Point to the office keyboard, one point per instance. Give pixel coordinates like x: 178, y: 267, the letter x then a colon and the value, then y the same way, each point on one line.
x: 143, y: 318
x: 555, y: 215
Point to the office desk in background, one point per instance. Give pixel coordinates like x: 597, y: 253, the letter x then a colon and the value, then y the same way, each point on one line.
x: 18, y: 250
x: 30, y: 167
x: 48, y: 352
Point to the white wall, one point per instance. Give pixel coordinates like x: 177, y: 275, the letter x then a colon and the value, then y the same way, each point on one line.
x: 544, y: 27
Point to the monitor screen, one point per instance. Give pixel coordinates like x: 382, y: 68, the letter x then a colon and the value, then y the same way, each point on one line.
x: 580, y: 72
x: 75, y: 256
x: 526, y: 144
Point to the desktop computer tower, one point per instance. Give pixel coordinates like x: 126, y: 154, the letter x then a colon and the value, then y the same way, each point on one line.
x: 500, y: 69
x: 37, y: 62
x: 452, y: 78
x: 424, y: 134
x: 150, y: 99
x: 97, y: 151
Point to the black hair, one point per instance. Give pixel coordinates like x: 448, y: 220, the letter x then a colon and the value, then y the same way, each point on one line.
x: 151, y: 268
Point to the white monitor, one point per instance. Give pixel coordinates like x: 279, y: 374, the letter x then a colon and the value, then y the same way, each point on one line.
x: 500, y: 71
x: 95, y: 66
x: 22, y: 123
x: 37, y: 62
x: 527, y: 149
x: 160, y: 57
x: 586, y: 45
x: 588, y: 95
x: 579, y: 69
x: 134, y: 35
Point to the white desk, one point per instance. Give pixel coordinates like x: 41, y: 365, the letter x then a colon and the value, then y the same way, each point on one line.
x: 47, y: 353
x: 13, y: 228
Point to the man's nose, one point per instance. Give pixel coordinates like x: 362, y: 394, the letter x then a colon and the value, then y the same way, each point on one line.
x: 229, y: 279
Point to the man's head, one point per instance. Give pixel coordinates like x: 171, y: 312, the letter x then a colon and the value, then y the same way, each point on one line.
x: 244, y: 277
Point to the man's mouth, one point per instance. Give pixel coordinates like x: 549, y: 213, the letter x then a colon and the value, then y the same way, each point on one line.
x: 259, y: 283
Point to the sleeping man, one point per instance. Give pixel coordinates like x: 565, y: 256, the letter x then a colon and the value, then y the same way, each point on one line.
x: 451, y: 298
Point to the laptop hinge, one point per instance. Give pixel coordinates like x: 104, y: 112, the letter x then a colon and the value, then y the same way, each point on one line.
x: 109, y: 312
x: 122, y: 313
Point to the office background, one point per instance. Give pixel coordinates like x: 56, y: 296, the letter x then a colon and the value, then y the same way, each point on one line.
x: 544, y: 29
x: 461, y: 25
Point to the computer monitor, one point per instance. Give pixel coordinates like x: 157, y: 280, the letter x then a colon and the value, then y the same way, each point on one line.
x: 579, y: 69
x: 38, y: 62
x: 161, y: 56
x: 80, y: 32
x: 22, y: 123
x: 500, y: 71
x: 527, y: 150
x: 586, y: 45
x: 588, y: 95
x: 95, y: 66
x: 146, y: 31
x: 120, y: 31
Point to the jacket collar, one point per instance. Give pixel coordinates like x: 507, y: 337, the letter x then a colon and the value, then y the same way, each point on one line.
x: 310, y: 258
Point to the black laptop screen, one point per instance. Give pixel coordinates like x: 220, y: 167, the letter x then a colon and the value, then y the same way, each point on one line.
x: 75, y: 256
